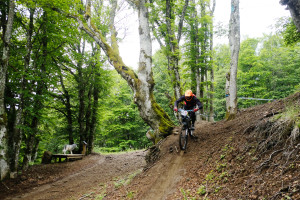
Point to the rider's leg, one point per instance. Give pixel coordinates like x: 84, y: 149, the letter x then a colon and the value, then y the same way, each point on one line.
x: 193, y: 117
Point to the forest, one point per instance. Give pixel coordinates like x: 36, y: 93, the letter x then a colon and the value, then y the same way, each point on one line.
x: 63, y: 80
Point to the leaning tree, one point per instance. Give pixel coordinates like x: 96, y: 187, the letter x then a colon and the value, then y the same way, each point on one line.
x: 142, y: 82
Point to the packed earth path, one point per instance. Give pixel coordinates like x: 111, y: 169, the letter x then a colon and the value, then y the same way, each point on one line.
x: 77, y: 179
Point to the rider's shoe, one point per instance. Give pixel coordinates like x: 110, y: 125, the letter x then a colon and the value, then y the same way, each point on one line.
x: 193, y: 127
x: 194, y: 136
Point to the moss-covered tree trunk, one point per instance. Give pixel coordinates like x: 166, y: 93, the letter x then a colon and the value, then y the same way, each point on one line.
x: 4, y: 165
x: 150, y: 111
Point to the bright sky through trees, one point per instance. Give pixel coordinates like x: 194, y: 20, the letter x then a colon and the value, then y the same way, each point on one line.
x: 257, y: 17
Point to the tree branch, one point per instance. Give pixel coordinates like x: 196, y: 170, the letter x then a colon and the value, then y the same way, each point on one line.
x: 181, y: 20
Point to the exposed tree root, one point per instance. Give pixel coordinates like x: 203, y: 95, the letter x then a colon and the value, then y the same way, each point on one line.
x: 276, y: 134
x: 266, y: 163
x: 153, y: 155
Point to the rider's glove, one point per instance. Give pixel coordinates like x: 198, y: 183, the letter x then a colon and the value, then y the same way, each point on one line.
x: 196, y: 109
x: 175, y: 109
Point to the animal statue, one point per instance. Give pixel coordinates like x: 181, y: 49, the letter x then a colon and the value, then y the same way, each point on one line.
x: 69, y: 147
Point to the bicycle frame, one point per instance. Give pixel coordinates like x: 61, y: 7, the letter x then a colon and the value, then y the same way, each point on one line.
x: 186, y: 119
x: 186, y: 128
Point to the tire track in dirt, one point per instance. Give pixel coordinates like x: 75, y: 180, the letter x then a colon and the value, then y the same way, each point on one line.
x: 166, y: 183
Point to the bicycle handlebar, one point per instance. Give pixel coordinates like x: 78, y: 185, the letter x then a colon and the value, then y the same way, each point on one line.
x: 185, y: 110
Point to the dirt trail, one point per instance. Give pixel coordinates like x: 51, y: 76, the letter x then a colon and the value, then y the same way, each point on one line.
x: 70, y: 184
x: 95, y: 171
x: 167, y: 181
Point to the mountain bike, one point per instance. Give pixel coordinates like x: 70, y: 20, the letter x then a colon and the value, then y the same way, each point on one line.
x: 186, y: 128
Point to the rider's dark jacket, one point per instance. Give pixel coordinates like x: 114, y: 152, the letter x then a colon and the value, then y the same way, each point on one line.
x: 188, y: 105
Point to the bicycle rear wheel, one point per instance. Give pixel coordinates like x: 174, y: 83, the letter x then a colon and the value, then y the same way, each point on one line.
x: 183, y: 139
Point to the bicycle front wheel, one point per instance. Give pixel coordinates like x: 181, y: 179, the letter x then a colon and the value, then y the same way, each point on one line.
x: 183, y: 139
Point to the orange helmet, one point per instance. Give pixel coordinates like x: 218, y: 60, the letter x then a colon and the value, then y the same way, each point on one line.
x: 188, y: 95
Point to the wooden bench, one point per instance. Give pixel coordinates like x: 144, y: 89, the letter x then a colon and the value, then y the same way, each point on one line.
x: 67, y: 157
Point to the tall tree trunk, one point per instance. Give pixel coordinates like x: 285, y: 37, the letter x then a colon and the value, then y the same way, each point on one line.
x: 203, y: 54
x: 173, y: 50
x: 66, y: 100
x: 172, y: 43
x: 95, y: 96
x: 81, y: 85
x: 195, y: 53
x: 29, y: 140
x: 14, y: 135
x: 198, y: 89
x: 88, y: 113
x: 142, y: 83
x: 94, y: 112
x: 4, y: 165
x: 234, y: 42
x: 212, y: 77
x: 32, y: 141
x: 81, y: 111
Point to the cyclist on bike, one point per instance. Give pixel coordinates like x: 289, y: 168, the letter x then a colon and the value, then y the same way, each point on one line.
x: 190, y: 102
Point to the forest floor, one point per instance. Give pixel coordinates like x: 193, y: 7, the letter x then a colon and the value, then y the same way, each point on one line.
x: 223, y: 163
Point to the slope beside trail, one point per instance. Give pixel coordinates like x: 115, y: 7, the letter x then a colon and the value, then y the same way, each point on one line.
x: 224, y: 163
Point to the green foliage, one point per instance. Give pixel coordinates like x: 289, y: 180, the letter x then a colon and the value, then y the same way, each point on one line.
x: 267, y: 70
x: 120, y: 126
x: 130, y: 194
x: 185, y: 193
x: 247, y: 56
x: 162, y: 87
x: 222, y: 66
x: 286, y: 27
x: 126, y: 180
x: 201, y: 190
x: 210, y: 176
x: 291, y: 34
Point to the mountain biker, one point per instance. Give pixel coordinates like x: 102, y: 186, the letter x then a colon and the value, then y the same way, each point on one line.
x: 190, y: 102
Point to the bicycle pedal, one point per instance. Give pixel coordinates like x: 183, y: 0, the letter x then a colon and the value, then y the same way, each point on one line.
x: 194, y: 137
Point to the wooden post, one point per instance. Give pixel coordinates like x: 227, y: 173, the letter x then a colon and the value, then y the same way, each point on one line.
x: 84, y: 148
